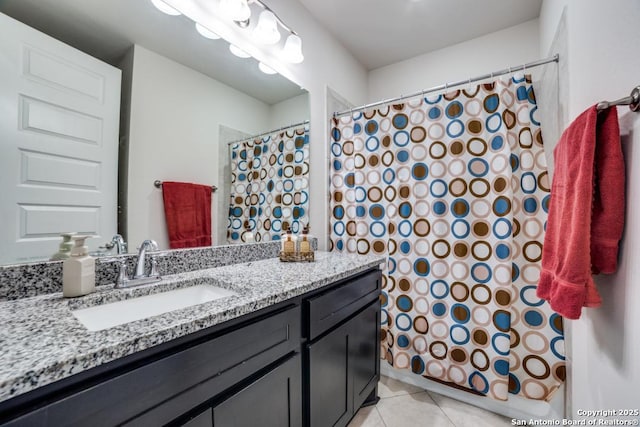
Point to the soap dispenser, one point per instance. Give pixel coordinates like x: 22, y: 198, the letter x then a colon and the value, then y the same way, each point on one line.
x: 305, y: 249
x: 64, y: 251
x: 78, y: 271
x: 288, y: 243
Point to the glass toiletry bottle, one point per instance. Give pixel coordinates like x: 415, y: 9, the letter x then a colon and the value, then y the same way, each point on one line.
x: 288, y: 243
x: 78, y: 271
x: 304, y: 244
x: 64, y: 251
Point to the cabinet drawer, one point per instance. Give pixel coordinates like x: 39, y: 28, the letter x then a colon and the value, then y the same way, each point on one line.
x: 160, y: 391
x: 335, y: 305
x: 273, y: 400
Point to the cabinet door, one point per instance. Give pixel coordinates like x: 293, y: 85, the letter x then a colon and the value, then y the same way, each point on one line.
x: 365, y: 353
x: 330, y: 389
x: 205, y: 419
x: 274, y: 400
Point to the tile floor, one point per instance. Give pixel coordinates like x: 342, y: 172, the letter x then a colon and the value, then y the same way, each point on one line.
x: 404, y: 405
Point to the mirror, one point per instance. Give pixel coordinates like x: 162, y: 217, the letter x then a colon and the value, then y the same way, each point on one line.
x: 184, y: 97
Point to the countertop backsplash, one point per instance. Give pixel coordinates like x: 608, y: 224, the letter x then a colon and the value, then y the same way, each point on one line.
x: 39, y: 278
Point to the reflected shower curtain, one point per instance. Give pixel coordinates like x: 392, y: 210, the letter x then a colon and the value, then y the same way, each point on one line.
x: 269, y: 185
x: 454, y: 189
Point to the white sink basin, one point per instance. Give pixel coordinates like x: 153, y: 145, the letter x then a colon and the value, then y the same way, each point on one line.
x: 113, y: 314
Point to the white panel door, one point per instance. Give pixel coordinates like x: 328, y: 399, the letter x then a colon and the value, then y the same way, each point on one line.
x: 59, y: 126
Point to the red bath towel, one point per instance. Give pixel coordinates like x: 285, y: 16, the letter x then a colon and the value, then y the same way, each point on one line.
x: 586, y: 213
x: 187, y: 208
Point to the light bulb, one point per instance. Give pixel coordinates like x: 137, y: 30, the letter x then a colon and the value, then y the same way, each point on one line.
x: 236, y: 10
x: 164, y: 7
x: 266, y: 69
x: 292, y: 51
x: 205, y: 32
x: 266, y: 31
x: 238, y: 52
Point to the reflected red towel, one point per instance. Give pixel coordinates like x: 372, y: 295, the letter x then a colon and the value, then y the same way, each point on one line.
x: 586, y: 213
x: 187, y: 209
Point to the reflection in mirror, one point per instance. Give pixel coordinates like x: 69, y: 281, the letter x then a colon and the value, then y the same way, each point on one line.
x: 183, y: 98
x: 269, y: 185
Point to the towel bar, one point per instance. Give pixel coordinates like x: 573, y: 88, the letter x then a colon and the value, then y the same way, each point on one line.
x: 158, y: 184
x: 633, y: 101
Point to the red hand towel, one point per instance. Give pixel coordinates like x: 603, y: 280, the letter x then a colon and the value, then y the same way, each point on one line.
x: 187, y: 208
x: 586, y: 212
x: 607, y: 221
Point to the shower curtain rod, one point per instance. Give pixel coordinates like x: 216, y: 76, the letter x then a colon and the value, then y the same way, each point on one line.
x: 445, y: 86
x: 306, y: 122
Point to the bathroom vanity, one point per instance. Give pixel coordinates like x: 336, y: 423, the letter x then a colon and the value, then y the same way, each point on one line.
x: 298, y: 344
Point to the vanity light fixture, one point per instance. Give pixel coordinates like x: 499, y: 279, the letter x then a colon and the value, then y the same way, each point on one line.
x: 165, y: 8
x: 266, y: 69
x: 266, y: 31
x: 236, y: 10
x: 238, y: 52
x: 292, y: 51
x: 205, y: 32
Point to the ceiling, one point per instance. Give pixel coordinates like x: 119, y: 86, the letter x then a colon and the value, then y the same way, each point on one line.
x: 381, y: 32
x: 106, y: 29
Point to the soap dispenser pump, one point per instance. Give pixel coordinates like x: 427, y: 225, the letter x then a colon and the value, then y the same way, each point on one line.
x: 78, y: 271
x: 64, y: 251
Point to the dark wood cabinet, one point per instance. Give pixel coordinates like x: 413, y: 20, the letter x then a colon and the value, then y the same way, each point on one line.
x: 312, y: 360
x: 204, y: 419
x: 365, y: 354
x: 330, y: 391
x: 273, y: 400
x: 343, y: 361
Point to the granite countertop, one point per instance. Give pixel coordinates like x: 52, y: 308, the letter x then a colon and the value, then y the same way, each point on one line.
x: 42, y: 342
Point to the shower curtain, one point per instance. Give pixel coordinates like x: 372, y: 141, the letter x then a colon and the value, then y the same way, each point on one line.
x: 454, y: 189
x: 269, y: 185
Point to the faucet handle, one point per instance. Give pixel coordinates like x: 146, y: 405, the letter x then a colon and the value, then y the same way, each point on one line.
x: 122, y: 269
x: 109, y: 245
x: 153, y: 259
x: 154, y: 267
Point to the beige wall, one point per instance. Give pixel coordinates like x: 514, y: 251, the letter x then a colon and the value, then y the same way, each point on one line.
x: 602, y: 64
x: 174, y: 129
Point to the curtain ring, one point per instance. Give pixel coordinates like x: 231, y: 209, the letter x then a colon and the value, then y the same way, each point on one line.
x: 509, y: 70
x: 446, y: 87
x: 491, y: 74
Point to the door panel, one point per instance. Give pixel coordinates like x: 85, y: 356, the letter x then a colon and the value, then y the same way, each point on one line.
x: 365, y: 352
x: 59, y: 126
x: 330, y: 392
x: 274, y: 400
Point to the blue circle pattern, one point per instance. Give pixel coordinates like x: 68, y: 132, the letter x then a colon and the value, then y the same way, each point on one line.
x: 441, y: 204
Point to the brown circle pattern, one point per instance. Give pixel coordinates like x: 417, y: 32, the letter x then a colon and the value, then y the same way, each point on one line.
x: 270, y: 185
x: 453, y: 188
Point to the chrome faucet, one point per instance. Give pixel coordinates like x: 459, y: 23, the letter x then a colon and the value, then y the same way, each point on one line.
x: 142, y: 251
x: 116, y: 242
x: 139, y: 277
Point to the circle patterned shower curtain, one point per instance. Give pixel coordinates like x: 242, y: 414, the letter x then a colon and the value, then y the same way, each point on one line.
x: 454, y: 189
x: 269, y: 185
